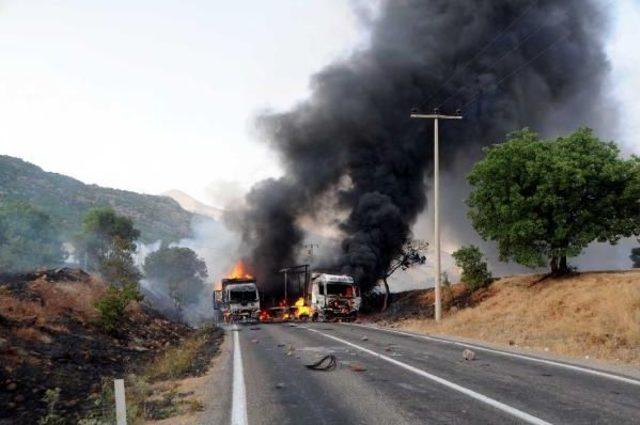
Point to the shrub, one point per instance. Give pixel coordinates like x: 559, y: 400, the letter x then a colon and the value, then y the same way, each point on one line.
x: 475, y: 274
x: 53, y: 417
x: 111, y: 307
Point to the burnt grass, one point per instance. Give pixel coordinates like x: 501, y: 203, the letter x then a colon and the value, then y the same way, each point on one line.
x: 74, y: 355
x: 418, y: 304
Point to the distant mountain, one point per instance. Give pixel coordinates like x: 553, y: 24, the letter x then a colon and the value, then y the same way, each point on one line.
x: 193, y: 205
x: 66, y: 200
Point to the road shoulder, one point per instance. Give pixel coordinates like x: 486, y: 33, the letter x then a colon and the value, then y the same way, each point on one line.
x: 618, y: 369
x: 212, y: 394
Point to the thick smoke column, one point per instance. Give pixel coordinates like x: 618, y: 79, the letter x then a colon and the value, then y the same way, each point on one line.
x: 545, y: 71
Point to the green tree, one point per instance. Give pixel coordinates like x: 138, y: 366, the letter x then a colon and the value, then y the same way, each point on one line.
x: 107, y: 245
x: 546, y: 200
x: 28, y: 239
x: 475, y: 273
x: 178, y: 271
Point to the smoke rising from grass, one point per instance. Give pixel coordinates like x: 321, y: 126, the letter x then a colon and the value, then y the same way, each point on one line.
x: 213, y: 243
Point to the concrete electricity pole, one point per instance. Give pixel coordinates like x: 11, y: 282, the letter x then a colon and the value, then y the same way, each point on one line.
x: 436, y: 196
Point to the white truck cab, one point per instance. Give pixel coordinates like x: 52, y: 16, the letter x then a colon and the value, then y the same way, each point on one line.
x: 334, y: 296
x: 240, y: 300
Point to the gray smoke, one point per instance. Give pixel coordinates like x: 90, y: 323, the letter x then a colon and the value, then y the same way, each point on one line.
x: 508, y: 63
x: 213, y: 243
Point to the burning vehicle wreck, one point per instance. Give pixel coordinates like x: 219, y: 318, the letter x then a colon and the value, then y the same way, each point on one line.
x: 319, y: 297
x: 239, y: 298
x: 334, y: 297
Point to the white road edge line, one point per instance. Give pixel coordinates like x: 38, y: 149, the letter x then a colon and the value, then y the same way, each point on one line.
x: 508, y: 354
x: 487, y: 400
x: 239, y: 395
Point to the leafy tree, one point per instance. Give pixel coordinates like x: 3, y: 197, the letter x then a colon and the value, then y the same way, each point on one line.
x: 27, y: 239
x: 475, y: 274
x: 179, y: 271
x: 635, y: 257
x: 412, y: 253
x: 107, y: 245
x: 544, y: 200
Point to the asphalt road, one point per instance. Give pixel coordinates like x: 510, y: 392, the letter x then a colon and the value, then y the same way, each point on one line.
x: 390, y: 378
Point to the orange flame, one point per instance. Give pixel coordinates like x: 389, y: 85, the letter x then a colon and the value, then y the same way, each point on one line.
x: 301, y: 309
x: 239, y: 271
x: 264, y: 316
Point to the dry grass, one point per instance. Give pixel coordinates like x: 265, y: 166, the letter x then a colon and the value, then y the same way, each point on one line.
x: 176, y: 362
x: 74, y: 298
x: 33, y: 334
x: 593, y: 314
x: 156, y: 394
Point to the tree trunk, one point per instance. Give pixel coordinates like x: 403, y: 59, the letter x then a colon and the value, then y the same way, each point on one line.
x: 559, y: 265
x: 563, y: 269
x: 554, y: 265
x: 385, y: 304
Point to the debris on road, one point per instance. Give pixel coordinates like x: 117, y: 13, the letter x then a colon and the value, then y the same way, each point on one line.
x: 468, y: 354
x: 364, y: 338
x: 254, y: 340
x: 357, y: 367
x: 280, y: 385
x: 327, y: 363
x: 290, y: 350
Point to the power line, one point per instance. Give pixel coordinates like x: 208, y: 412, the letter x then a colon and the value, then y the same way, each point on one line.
x: 482, y: 51
x: 518, y: 69
x: 497, y: 61
x: 522, y: 66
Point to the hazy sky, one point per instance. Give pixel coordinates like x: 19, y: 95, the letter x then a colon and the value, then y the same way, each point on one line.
x: 158, y: 95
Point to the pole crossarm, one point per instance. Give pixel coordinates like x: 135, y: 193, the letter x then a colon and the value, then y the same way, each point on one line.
x: 437, y: 116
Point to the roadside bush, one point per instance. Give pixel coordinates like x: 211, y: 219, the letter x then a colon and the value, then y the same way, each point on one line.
x: 475, y: 274
x: 111, y: 307
x: 53, y: 417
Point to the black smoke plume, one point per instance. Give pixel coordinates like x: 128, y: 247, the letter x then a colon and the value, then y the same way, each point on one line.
x: 507, y: 63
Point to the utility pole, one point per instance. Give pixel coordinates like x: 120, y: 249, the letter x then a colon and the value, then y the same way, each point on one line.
x: 436, y: 196
x: 286, y: 302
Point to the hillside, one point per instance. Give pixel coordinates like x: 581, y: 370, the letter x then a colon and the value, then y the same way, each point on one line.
x: 49, y: 338
x: 66, y: 200
x: 594, y: 314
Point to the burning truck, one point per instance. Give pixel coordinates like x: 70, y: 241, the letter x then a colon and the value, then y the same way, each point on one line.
x: 239, y: 299
x: 320, y: 297
x: 333, y: 296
